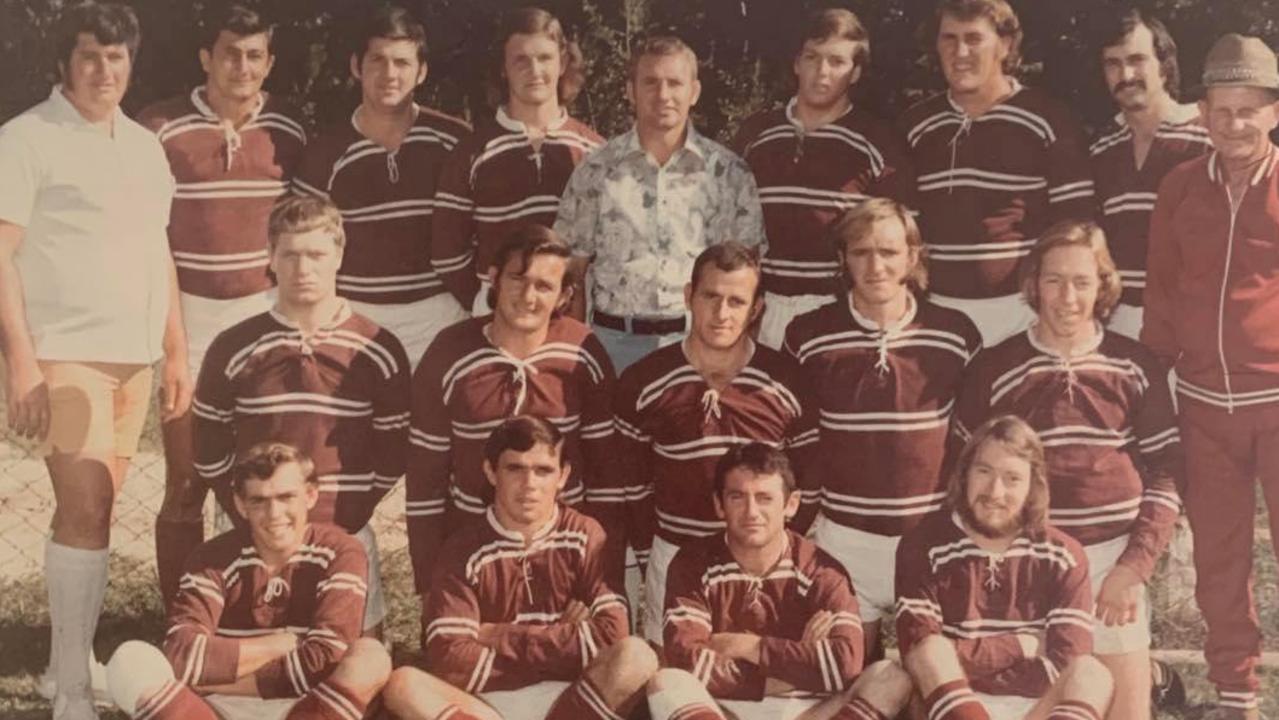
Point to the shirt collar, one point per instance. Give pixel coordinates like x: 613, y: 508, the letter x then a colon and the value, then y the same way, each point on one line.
x: 1265, y: 169
x: 342, y: 315
x: 1180, y: 114
x: 519, y: 126
x: 794, y: 119
x: 1092, y: 346
x: 693, y: 142
x: 71, y: 115
x: 199, y: 98
x: 1012, y: 81
x: 911, y: 308
x: 502, y: 530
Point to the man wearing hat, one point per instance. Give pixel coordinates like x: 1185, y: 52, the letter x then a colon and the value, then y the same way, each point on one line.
x: 1212, y: 311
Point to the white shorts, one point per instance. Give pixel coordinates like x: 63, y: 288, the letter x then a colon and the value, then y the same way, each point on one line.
x: 205, y: 318
x: 779, y: 310
x: 243, y: 707
x: 871, y: 562
x: 415, y: 323
x: 374, y: 600
x: 1126, y: 320
x: 1007, y: 707
x: 1117, y: 639
x: 480, y: 306
x: 996, y: 318
x: 633, y: 580
x: 531, y: 702
x: 659, y: 561
x: 770, y: 708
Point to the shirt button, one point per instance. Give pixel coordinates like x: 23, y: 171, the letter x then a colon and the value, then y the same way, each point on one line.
x: 306, y: 350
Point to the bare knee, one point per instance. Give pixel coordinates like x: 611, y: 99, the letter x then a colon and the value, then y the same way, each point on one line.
x: 928, y: 654
x: 673, y: 679
x: 400, y: 685
x: 628, y: 664
x: 886, y: 685
x: 365, y: 669
x: 1086, y: 678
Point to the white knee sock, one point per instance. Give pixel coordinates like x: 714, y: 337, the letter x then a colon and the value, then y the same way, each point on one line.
x: 77, y: 582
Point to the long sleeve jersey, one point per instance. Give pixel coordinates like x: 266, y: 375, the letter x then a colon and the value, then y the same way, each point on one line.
x: 673, y: 426
x: 227, y: 182
x: 340, y: 396
x: 1212, y: 288
x: 495, y: 182
x: 807, y: 178
x: 489, y: 576
x: 1126, y: 192
x: 989, y: 185
x: 884, y: 397
x: 1109, y: 431
x: 465, y: 387
x: 227, y: 595
x: 708, y: 592
x: 387, y: 200
x: 946, y: 585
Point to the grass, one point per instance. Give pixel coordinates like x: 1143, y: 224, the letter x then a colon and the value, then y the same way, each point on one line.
x: 132, y: 610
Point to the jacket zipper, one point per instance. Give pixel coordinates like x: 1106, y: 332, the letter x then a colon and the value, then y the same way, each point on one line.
x: 1221, y: 307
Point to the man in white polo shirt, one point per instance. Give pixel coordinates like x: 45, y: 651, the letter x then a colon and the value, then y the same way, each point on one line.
x: 87, y: 304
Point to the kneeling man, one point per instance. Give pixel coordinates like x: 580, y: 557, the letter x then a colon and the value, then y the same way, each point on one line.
x: 266, y: 622
x: 994, y: 606
x: 764, y: 620
x: 524, y: 619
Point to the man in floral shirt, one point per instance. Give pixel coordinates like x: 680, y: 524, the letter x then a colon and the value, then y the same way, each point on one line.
x: 641, y: 208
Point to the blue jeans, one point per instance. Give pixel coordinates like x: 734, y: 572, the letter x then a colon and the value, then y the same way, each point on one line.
x: 625, y: 349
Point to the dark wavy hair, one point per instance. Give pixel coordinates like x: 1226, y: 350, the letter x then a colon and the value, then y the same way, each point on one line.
x: 998, y: 12
x: 236, y: 19
x: 527, y: 243
x: 1119, y: 22
x: 520, y: 434
x: 760, y: 459
x: 110, y: 23
x: 535, y: 21
x: 263, y: 459
x: 393, y: 23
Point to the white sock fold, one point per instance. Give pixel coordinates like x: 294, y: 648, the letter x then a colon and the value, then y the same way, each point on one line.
x: 77, y: 582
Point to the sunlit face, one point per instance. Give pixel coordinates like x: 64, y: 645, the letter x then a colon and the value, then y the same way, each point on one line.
x: 276, y: 509
x: 1133, y: 74
x: 237, y: 65
x: 526, y: 484
x: 825, y: 70
x: 96, y: 76
x: 754, y: 507
x: 723, y: 305
x: 663, y: 91
x: 526, y: 300
x: 880, y: 263
x: 1240, y: 120
x: 532, y: 66
x: 389, y: 72
x: 972, y: 54
x: 1068, y: 285
x: 306, y: 267
x: 998, y: 485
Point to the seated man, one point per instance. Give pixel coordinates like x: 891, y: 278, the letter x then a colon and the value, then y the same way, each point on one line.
x: 994, y: 606
x: 764, y: 620
x: 524, y: 620
x: 266, y: 622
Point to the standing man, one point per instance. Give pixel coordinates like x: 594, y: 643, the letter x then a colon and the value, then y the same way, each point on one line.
x: 312, y: 373
x: 1212, y: 311
x: 266, y: 624
x: 88, y: 302
x: 1101, y: 404
x: 814, y: 159
x: 685, y: 405
x: 512, y: 171
x: 523, y: 621
x: 232, y: 150
x: 996, y: 164
x: 642, y: 207
x: 885, y: 366
x: 381, y: 168
x: 526, y: 358
x: 761, y: 614
x: 994, y: 607
x: 1152, y: 134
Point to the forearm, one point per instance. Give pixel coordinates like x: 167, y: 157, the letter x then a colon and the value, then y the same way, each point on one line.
x: 175, y: 334
x: 257, y: 652
x: 15, y: 334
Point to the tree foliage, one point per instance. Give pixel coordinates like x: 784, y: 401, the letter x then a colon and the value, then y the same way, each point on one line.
x: 746, y: 47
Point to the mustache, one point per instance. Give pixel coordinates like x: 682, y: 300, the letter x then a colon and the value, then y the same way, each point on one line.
x: 1138, y: 84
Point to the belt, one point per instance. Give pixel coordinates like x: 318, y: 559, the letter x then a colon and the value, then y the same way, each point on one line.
x: 639, y: 326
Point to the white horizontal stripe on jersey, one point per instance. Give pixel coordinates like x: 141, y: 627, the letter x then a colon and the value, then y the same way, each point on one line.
x: 974, y: 252
x: 898, y: 339
x: 886, y: 421
x: 882, y: 507
x: 688, y: 526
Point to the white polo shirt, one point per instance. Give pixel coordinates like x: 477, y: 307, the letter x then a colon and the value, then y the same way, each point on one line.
x: 94, y: 257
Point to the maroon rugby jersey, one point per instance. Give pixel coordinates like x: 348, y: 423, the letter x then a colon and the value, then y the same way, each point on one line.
x: 465, y: 387
x: 227, y: 183
x: 885, y: 399
x: 707, y: 592
x: 807, y: 178
x: 1126, y: 192
x: 341, y: 397
x: 673, y: 427
x: 386, y: 199
x: 226, y: 595
x: 1109, y: 432
x: 488, y: 575
x: 494, y: 183
x: 989, y: 185
x: 946, y: 585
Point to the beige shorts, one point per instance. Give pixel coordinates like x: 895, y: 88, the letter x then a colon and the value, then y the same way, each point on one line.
x: 95, y: 408
x: 374, y: 600
x: 770, y: 708
x: 870, y: 560
x: 1007, y: 707
x: 779, y: 310
x: 532, y: 701
x: 659, y: 561
x: 1116, y: 639
x: 243, y: 707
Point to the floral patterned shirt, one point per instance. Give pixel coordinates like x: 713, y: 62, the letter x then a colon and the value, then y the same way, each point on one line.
x: 644, y: 225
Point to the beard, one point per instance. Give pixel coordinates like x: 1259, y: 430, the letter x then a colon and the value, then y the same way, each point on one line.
x: 1011, y: 528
